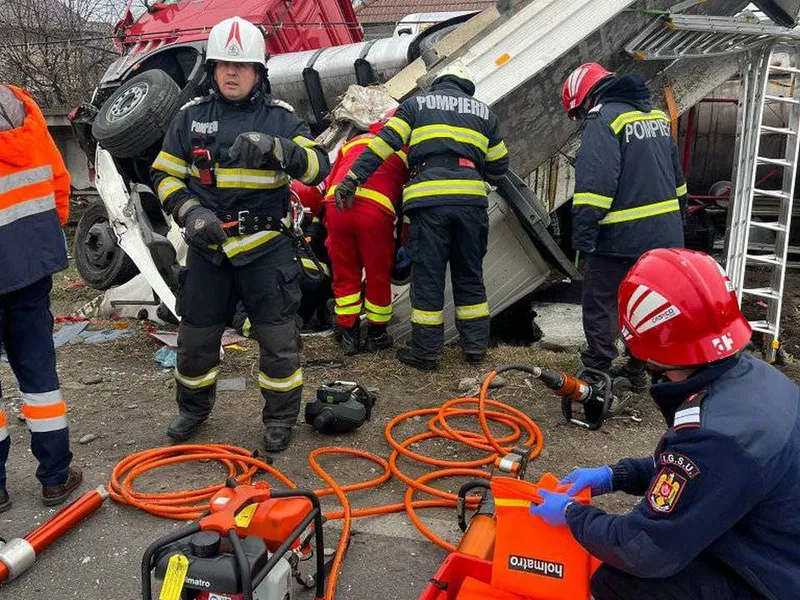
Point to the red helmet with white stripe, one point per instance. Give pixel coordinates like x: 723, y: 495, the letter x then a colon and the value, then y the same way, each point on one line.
x: 677, y: 308
x: 579, y: 85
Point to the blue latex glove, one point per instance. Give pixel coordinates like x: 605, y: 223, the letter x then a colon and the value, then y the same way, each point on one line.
x: 402, y: 260
x: 553, y: 509
x: 598, y: 480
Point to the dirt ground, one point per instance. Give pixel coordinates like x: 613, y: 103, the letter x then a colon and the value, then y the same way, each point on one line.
x: 132, y: 400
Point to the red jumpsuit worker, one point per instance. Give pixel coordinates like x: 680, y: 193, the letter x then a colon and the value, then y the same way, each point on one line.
x: 361, y: 238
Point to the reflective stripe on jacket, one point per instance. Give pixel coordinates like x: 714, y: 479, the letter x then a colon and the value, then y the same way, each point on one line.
x: 628, y: 182
x: 34, y: 201
x: 384, y: 187
x: 446, y: 121
x: 212, y: 124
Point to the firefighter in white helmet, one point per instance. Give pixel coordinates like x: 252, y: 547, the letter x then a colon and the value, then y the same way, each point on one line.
x: 223, y: 174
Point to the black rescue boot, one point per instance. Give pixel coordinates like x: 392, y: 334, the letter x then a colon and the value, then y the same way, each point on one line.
x: 407, y: 357
x: 377, y: 338
x: 277, y: 438
x: 475, y: 359
x: 351, y: 340
x: 183, y: 426
x: 639, y: 379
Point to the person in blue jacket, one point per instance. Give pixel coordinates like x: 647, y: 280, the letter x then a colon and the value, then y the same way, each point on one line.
x: 720, y: 510
x: 629, y: 192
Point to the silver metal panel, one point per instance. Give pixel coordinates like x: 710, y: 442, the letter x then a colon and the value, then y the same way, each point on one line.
x: 512, y: 268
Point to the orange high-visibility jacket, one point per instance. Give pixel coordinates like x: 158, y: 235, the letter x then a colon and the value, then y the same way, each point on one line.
x: 34, y: 201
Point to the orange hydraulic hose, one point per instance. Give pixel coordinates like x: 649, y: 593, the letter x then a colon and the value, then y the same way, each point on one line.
x: 242, y: 465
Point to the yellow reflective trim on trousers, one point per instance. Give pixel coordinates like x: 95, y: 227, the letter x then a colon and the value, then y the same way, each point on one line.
x: 351, y: 299
x: 168, y: 186
x: 353, y: 309
x: 497, y: 152
x: 378, y: 318
x: 171, y: 164
x: 444, y: 187
x: 403, y: 156
x: 641, y: 212
x: 681, y: 191
x: 379, y: 310
x: 400, y: 127
x: 590, y: 199
x: 281, y: 384
x: 361, y: 192
x: 196, y: 383
x: 304, y: 142
x: 473, y: 311
x: 246, y: 327
x: 459, y: 134
x: 381, y: 148
x: 427, y: 317
x: 636, y: 115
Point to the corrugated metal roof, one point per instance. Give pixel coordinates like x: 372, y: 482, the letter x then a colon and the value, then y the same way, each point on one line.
x: 391, y: 11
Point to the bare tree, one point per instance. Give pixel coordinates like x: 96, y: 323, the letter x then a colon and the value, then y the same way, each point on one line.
x: 57, y: 49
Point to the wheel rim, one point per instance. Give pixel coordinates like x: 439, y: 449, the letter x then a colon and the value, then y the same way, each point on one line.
x: 128, y: 101
x: 100, y: 245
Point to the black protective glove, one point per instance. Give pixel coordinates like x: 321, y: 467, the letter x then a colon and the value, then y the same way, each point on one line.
x: 202, y: 226
x: 256, y: 150
x: 346, y: 192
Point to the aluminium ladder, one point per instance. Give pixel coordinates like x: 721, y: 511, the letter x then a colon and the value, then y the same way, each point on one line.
x: 679, y: 36
x: 771, y: 259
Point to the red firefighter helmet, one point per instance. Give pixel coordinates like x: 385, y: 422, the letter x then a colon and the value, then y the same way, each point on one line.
x: 677, y: 308
x: 579, y: 84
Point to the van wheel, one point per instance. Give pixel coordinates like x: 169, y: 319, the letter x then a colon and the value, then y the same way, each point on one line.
x: 138, y: 114
x: 100, y: 261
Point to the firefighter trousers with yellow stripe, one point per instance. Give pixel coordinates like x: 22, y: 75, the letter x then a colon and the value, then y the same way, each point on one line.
x: 26, y: 334
x: 269, y: 288
x: 439, y: 235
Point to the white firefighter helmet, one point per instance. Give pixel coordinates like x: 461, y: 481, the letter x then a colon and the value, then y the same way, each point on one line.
x: 236, y: 40
x: 456, y: 69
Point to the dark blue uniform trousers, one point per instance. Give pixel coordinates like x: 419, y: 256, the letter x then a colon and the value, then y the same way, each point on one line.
x: 705, y: 578
x: 26, y: 334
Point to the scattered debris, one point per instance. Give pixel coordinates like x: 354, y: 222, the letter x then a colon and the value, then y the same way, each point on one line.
x: 69, y: 332
x: 235, y: 384
x: 497, y: 382
x: 167, y: 357
x: 106, y: 335
x: 132, y: 406
x: 231, y: 337
x: 467, y: 384
x: 75, y: 284
x: 168, y: 338
x: 88, y: 438
x: 91, y: 380
x: 550, y: 346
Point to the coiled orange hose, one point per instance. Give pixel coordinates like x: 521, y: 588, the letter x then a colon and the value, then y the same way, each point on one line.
x: 243, y: 466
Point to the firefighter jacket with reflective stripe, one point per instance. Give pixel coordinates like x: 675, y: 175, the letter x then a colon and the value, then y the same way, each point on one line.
x: 384, y: 188
x: 724, y: 480
x: 446, y: 121
x: 34, y: 199
x: 628, y: 183
x: 194, y: 162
